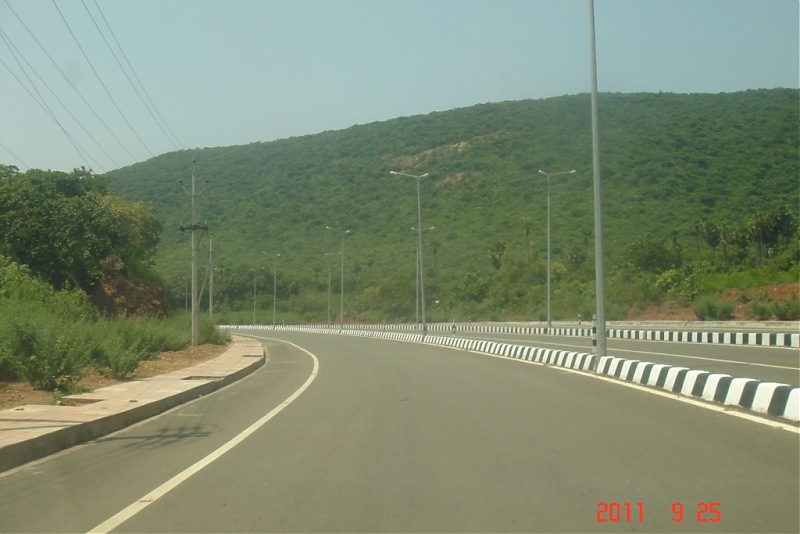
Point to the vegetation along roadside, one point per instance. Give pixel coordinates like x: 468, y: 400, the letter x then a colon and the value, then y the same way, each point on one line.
x: 700, y: 218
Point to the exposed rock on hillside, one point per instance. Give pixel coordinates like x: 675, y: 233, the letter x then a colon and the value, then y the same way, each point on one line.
x: 115, y: 294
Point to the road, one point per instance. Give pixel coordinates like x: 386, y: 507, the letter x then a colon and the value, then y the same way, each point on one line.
x: 398, y: 437
x: 770, y: 364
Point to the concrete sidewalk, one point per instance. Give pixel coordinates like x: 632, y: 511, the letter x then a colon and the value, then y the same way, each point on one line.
x: 31, y: 432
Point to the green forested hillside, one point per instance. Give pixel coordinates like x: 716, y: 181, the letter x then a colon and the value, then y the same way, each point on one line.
x: 673, y: 166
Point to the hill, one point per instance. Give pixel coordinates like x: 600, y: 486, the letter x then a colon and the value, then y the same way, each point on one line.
x: 668, y: 161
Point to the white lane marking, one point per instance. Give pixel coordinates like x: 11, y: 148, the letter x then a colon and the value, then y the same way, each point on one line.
x: 584, y: 348
x: 711, y: 359
x: 667, y: 394
x: 136, y: 507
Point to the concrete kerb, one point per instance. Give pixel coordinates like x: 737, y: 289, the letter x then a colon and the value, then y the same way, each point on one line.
x: 764, y: 398
x: 28, y: 433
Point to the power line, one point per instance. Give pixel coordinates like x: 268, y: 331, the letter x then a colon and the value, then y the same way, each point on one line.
x: 144, y: 89
x: 72, y: 85
x: 125, y: 72
x: 82, y: 154
x: 4, y: 147
x: 78, y: 122
x: 99, y: 79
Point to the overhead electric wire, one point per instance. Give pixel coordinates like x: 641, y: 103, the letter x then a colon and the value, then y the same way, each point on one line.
x: 82, y: 154
x: 99, y: 79
x: 4, y: 147
x: 125, y: 72
x: 144, y: 89
x: 9, y: 42
x: 69, y: 82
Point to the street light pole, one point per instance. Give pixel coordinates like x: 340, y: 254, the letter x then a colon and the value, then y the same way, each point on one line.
x: 210, y: 278
x: 341, y: 300
x: 254, y: 269
x: 549, y: 287
x: 598, y: 217
x: 419, y: 246
x: 418, y: 275
x: 274, y: 290
x: 329, y: 284
x: 274, y: 287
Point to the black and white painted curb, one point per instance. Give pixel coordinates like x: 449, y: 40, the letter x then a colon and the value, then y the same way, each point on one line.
x: 779, y: 400
x: 763, y: 339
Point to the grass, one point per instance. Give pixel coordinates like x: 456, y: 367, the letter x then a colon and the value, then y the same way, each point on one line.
x: 52, y: 338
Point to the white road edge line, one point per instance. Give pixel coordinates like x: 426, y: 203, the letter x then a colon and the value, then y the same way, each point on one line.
x: 667, y: 394
x: 136, y: 507
x: 685, y: 356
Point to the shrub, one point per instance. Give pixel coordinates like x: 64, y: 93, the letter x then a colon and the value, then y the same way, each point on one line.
x: 709, y: 309
x: 209, y: 333
x: 48, y: 355
x: 788, y: 310
x: 759, y: 310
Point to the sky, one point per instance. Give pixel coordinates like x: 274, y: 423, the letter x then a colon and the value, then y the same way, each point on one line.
x: 207, y: 73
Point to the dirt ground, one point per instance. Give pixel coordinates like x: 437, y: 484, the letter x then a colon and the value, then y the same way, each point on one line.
x: 21, y: 393
x: 670, y: 311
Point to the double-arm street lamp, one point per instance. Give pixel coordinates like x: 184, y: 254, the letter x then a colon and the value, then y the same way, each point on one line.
x: 341, y: 300
x: 549, y: 290
x: 419, y: 245
x: 274, y: 287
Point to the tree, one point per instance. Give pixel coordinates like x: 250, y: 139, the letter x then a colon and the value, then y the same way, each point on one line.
x: 711, y: 233
x: 64, y: 225
x: 647, y: 254
x: 471, y: 287
x: 496, y: 254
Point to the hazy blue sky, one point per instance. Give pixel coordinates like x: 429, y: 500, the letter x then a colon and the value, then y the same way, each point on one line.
x: 227, y: 72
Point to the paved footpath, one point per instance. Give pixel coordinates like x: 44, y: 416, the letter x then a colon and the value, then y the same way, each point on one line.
x: 31, y: 432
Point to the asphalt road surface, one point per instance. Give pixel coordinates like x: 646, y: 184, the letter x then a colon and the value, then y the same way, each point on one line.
x: 367, y: 435
x: 769, y: 364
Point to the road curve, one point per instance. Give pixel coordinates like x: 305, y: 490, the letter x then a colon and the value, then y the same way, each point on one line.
x: 392, y: 436
x: 769, y: 364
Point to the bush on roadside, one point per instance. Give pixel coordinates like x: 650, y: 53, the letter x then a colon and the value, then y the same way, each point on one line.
x: 50, y: 338
x: 707, y: 308
x: 788, y: 310
x: 48, y: 355
x: 760, y: 309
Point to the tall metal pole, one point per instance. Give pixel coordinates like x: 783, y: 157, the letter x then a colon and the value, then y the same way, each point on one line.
x: 416, y: 292
x: 598, y: 220
x: 421, y: 261
x: 254, y: 297
x: 329, y: 293
x: 210, y: 279
x: 274, y: 290
x: 419, y: 273
x: 341, y: 300
x: 194, y: 226
x: 194, y: 265
x: 419, y: 246
x: 549, y: 286
x: 329, y: 282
